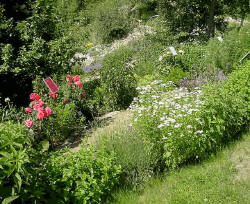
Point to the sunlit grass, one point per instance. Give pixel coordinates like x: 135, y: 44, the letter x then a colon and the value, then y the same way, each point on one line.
x: 224, y: 178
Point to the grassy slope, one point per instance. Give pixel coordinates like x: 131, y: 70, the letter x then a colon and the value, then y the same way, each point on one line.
x: 224, y: 178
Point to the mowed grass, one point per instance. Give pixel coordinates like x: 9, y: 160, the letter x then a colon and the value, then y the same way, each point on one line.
x: 224, y: 178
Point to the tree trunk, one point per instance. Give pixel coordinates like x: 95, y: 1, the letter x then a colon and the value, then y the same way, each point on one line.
x: 211, y: 23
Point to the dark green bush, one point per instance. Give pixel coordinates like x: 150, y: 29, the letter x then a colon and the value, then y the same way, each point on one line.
x: 118, y: 79
x: 86, y: 176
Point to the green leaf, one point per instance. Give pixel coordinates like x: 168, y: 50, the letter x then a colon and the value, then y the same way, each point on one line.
x: 45, y: 145
x: 9, y: 199
x: 18, y: 181
x: 5, y: 154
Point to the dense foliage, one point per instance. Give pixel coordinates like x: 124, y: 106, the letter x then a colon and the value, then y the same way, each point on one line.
x: 177, y: 119
x: 14, y: 158
x: 185, y: 125
x: 81, y: 177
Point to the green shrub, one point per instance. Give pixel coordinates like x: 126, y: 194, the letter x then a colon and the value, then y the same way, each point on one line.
x: 227, y: 106
x: 183, y: 125
x: 207, y: 58
x: 10, y: 112
x: 136, y: 158
x: 146, y: 59
x: 112, y: 20
x: 61, y: 124
x: 227, y: 54
x: 14, y: 158
x: 86, y: 176
x: 118, y: 79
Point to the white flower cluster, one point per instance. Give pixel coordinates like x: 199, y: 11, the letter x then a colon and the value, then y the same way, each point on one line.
x: 172, y: 109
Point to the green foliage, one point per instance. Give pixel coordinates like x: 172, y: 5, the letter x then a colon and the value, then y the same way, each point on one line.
x: 227, y: 54
x: 227, y: 108
x: 200, y: 17
x: 33, y: 44
x: 146, y: 59
x: 135, y: 156
x: 184, y: 126
x: 86, y: 176
x: 118, y: 79
x: 14, y: 158
x: 208, y: 58
x: 10, y: 112
x: 59, y: 126
x: 112, y: 20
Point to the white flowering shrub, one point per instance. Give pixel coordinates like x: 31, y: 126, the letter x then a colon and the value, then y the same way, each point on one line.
x: 169, y: 118
x: 186, y: 125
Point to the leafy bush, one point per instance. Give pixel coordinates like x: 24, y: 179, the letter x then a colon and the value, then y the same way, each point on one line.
x: 33, y: 46
x: 88, y: 98
x: 183, y: 125
x: 60, y: 125
x: 118, y: 79
x: 227, y: 106
x: 208, y: 58
x: 136, y: 157
x: 10, y: 112
x: 14, y: 158
x: 86, y: 176
x: 112, y: 20
x: 65, y: 109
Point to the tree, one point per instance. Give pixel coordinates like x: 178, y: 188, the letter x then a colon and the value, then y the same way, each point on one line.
x: 30, y: 44
x: 200, y: 16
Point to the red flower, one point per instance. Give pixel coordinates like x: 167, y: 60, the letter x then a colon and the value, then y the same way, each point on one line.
x: 28, y: 110
x: 40, y: 115
x: 40, y: 103
x: 69, y: 79
x: 34, y: 96
x: 76, y: 78
x: 32, y: 103
x: 65, y: 100
x: 79, y: 84
x: 28, y: 123
x: 37, y: 107
x: 48, y: 111
x: 53, y: 95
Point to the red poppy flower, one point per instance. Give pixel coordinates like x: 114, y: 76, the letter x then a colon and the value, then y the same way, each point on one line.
x: 34, y: 96
x: 40, y: 115
x: 69, y: 79
x: 40, y: 102
x: 28, y: 110
x: 28, y: 123
x: 48, y: 111
x: 76, y: 78
x: 79, y: 84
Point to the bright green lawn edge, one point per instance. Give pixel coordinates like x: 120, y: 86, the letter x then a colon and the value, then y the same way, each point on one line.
x: 224, y: 178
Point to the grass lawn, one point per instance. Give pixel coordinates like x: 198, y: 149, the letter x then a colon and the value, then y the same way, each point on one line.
x: 224, y: 178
